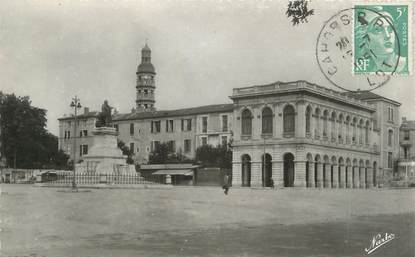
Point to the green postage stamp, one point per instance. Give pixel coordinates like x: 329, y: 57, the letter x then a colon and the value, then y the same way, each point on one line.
x: 382, y: 39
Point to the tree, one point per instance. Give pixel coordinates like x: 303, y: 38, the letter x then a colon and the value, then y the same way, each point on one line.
x: 163, y: 154
x: 25, y: 141
x: 126, y: 151
x: 215, y: 156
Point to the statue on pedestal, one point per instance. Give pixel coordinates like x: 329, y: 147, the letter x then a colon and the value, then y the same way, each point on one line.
x: 104, y: 117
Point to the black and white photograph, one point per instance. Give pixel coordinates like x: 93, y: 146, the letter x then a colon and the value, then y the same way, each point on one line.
x: 207, y: 128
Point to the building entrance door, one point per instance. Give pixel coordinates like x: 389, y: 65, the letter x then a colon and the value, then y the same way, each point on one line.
x: 246, y: 171
x: 266, y: 170
x: 288, y: 170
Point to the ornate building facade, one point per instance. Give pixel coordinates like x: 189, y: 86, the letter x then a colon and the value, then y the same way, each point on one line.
x: 303, y: 135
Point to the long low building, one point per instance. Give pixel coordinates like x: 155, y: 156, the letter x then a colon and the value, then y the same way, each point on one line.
x: 284, y: 134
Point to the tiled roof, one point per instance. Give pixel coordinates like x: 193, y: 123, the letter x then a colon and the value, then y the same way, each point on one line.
x: 368, y: 95
x: 81, y: 116
x: 170, y: 113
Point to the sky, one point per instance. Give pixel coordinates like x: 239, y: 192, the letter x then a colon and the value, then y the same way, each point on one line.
x: 201, y: 50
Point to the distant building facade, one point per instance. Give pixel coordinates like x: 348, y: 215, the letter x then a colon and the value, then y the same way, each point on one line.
x: 284, y: 134
x: 85, y: 125
x: 406, y: 163
x: 183, y: 130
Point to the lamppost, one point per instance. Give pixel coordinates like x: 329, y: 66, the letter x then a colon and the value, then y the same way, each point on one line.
x: 76, y: 104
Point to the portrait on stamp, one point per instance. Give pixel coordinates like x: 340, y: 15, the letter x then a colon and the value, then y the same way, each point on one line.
x: 381, y: 39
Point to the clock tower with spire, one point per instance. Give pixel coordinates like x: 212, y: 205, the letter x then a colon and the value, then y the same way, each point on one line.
x: 145, y: 82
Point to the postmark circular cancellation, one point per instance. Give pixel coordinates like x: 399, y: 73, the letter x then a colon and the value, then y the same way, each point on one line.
x: 361, y: 48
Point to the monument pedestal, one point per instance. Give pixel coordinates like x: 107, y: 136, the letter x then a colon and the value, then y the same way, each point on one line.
x: 105, y: 157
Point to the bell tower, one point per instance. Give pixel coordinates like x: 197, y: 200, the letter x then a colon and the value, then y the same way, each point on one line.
x: 145, y: 82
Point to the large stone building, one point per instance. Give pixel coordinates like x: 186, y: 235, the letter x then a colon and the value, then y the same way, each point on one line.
x: 312, y: 136
x: 290, y: 134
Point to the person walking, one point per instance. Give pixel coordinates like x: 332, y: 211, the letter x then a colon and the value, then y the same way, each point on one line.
x: 225, y: 184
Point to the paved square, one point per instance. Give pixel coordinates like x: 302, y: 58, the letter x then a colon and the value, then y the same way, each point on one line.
x: 198, y: 221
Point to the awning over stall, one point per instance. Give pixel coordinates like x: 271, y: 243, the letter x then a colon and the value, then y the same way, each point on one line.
x: 174, y: 172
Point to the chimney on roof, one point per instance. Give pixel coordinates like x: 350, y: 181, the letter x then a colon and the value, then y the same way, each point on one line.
x: 86, y: 110
x: 403, y: 119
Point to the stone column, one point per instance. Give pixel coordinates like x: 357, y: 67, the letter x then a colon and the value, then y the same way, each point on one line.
x: 327, y: 179
x: 355, y: 177
x: 300, y: 120
x: 256, y: 174
x: 278, y: 123
x: 349, y: 177
x: 362, y: 177
x: 236, y: 174
x: 319, y: 181
x: 369, y: 174
x: 299, y: 174
x: 335, y: 176
x: 312, y: 125
x: 278, y: 173
x: 311, y: 174
x: 342, y: 183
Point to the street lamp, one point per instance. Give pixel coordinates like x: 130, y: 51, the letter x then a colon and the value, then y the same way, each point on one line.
x: 75, y: 104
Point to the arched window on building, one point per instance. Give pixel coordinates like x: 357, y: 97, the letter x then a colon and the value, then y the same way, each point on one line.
x: 354, y: 124
x: 390, y: 137
x: 308, y: 121
x: 266, y: 121
x: 325, y: 121
x: 340, y: 128
x: 289, y: 120
x: 367, y: 132
x: 333, y: 126
x: 246, y: 123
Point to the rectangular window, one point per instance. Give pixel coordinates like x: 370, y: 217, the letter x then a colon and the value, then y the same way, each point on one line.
x: 204, y: 124
x: 187, y: 145
x: 80, y: 150
x: 189, y: 124
x: 224, y: 123
x: 172, y: 146
x: 169, y: 125
x: 390, y: 114
x: 390, y: 160
x: 69, y: 134
x: 224, y: 140
x: 85, y: 132
x: 65, y: 134
x: 157, y: 125
x: 85, y: 149
x: 155, y: 145
x: 80, y: 133
x: 132, y: 147
x: 406, y: 135
x: 131, y: 128
x: 116, y: 127
x: 204, y: 140
x: 186, y: 124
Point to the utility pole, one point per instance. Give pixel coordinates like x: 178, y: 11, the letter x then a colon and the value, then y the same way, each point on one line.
x: 76, y: 104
